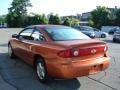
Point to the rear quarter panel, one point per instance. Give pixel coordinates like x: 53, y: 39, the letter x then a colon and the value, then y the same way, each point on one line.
x: 48, y: 51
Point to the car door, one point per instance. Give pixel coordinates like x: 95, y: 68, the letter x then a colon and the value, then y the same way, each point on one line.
x: 20, y: 42
x: 97, y: 33
x: 29, y: 44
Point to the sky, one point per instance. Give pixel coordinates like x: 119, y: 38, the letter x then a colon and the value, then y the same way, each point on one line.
x: 62, y: 7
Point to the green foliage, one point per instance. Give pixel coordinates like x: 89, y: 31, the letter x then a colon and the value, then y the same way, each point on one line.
x: 67, y: 22
x: 91, y: 23
x: 19, y: 7
x: 74, y: 22
x: 3, y: 19
x: 54, y: 19
x: 17, y: 17
x: 117, y: 19
x: 100, y: 17
x: 71, y: 22
x: 36, y: 19
x: 17, y: 13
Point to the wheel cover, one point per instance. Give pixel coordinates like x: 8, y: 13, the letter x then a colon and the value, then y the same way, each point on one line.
x: 9, y: 50
x: 103, y: 35
x: 40, y: 71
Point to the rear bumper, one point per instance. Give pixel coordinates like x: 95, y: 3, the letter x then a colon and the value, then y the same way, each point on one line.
x: 77, y: 69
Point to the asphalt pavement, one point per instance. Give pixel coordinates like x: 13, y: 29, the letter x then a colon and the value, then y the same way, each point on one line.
x: 17, y: 75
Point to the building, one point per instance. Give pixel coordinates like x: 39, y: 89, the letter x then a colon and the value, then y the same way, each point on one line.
x: 78, y: 16
x: 113, y: 10
x: 85, y: 16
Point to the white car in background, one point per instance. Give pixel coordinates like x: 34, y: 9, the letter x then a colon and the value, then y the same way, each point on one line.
x: 92, y: 32
x: 116, y: 36
x: 100, y: 34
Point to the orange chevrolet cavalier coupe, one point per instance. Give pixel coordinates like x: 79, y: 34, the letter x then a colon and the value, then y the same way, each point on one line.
x: 59, y: 51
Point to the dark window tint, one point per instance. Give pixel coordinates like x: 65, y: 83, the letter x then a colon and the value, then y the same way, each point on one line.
x: 65, y: 33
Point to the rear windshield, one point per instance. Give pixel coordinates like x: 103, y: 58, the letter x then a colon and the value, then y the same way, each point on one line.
x: 86, y: 28
x: 65, y: 33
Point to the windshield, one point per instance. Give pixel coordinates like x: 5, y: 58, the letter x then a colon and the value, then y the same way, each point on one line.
x: 87, y: 28
x: 65, y: 33
x: 117, y: 31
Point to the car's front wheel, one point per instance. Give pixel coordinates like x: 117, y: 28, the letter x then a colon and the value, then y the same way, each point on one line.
x: 103, y: 36
x: 10, y: 51
x: 41, y: 70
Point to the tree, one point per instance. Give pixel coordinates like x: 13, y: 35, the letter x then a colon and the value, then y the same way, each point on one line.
x: 74, y: 22
x: 100, y: 17
x: 17, y: 13
x: 3, y: 19
x: 43, y: 19
x: 71, y: 22
x: 117, y: 20
x: 67, y: 22
x: 91, y: 23
x: 36, y: 19
x: 54, y: 19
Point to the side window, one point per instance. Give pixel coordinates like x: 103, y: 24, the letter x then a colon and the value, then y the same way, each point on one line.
x: 26, y: 34
x: 38, y: 36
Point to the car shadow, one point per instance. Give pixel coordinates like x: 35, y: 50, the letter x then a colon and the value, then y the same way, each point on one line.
x: 70, y: 84
x: 22, y: 76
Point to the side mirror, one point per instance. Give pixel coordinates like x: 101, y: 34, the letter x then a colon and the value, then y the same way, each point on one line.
x: 14, y: 36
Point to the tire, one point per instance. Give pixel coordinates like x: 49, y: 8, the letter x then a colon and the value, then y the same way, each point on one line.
x: 10, y: 51
x: 41, y: 70
x: 103, y: 36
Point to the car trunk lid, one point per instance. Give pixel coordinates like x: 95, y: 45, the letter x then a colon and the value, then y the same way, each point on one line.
x: 84, y: 49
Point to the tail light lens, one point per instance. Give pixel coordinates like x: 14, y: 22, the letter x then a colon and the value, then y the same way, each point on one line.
x: 82, y: 52
x: 68, y: 53
x: 105, y: 48
x: 65, y: 54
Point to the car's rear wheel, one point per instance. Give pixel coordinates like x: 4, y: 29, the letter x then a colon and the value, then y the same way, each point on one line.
x: 103, y: 36
x: 41, y: 70
x: 10, y: 51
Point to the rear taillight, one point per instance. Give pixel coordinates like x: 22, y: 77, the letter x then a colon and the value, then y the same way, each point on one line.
x: 65, y: 54
x: 82, y: 52
x: 68, y: 53
x: 105, y: 48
